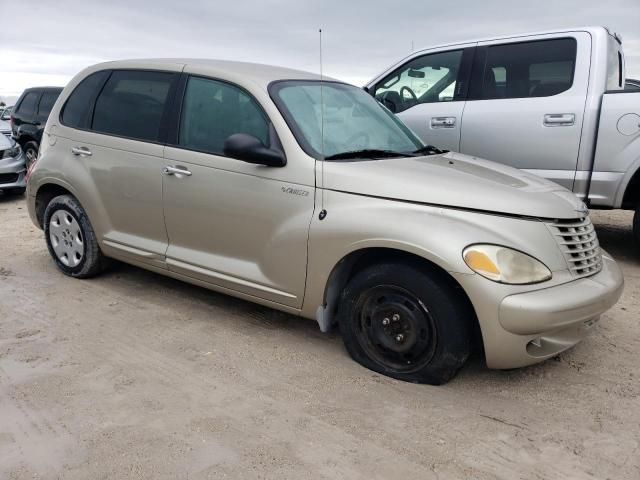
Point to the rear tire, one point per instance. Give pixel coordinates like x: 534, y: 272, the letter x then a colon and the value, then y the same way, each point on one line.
x: 407, y: 323
x: 70, y: 238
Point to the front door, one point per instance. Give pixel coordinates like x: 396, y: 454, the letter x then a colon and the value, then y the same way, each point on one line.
x: 427, y: 93
x: 526, y: 104
x: 233, y: 224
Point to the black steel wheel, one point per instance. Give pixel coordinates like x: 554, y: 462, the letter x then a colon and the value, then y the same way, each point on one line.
x: 410, y: 323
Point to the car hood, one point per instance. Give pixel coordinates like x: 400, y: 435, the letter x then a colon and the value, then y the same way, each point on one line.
x: 454, y: 180
x: 4, y: 142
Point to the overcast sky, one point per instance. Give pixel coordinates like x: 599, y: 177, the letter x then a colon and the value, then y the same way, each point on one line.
x: 45, y: 42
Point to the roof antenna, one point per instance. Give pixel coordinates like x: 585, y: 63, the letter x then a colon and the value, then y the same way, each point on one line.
x: 323, y: 212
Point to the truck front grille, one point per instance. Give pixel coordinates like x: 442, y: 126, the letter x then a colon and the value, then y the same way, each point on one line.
x: 579, y: 243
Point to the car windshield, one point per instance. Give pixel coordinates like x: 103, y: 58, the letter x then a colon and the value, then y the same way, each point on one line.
x: 355, y: 125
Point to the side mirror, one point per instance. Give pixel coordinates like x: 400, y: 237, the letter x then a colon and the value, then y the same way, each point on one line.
x: 248, y: 148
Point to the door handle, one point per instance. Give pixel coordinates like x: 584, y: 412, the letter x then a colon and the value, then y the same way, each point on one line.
x: 169, y: 170
x: 559, y: 119
x: 84, y: 151
x: 443, y: 122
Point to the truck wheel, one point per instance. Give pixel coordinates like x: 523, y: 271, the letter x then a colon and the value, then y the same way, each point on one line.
x: 406, y: 323
x: 30, y: 153
x: 70, y: 238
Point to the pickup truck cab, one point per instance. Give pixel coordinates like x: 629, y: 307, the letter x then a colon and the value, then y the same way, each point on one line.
x: 551, y: 103
x: 305, y: 194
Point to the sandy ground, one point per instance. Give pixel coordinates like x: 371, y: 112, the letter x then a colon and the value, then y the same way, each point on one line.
x: 133, y: 375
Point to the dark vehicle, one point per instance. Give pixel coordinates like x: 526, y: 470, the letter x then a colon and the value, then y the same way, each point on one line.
x: 30, y: 116
x: 632, y: 84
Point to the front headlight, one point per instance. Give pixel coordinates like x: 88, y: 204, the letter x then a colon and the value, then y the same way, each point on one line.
x: 505, y: 265
x: 14, y: 151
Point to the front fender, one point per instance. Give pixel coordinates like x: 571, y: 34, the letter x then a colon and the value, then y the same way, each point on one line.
x: 439, y: 235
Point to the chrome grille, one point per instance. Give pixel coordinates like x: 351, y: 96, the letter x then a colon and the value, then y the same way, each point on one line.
x: 579, y: 243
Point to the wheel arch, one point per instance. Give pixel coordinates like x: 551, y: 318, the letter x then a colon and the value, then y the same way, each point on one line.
x: 631, y: 196
x: 45, y: 193
x: 357, y: 260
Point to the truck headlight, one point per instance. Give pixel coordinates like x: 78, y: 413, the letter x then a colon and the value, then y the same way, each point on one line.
x: 505, y: 265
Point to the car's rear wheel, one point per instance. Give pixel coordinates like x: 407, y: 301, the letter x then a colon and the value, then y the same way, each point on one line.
x: 70, y: 238
x: 30, y: 153
x: 405, y: 322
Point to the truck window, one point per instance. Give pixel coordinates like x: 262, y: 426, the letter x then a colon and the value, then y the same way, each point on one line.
x: 426, y: 79
x: 527, y: 69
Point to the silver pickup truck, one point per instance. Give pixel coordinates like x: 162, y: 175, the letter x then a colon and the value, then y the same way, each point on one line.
x: 550, y: 103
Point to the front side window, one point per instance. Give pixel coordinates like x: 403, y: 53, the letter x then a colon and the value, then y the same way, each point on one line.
x: 28, y: 103
x: 75, y: 112
x: 528, y: 69
x: 427, y: 79
x: 352, y: 120
x: 132, y: 104
x: 46, y: 103
x: 212, y: 111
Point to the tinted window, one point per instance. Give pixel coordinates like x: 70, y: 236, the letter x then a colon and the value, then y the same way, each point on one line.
x: 427, y: 79
x: 75, y: 112
x: 131, y: 104
x: 527, y: 69
x: 46, y: 102
x: 28, y: 103
x: 212, y: 111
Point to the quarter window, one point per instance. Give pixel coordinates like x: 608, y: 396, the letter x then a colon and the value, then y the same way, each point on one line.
x: 427, y: 79
x: 527, y: 69
x: 75, y: 112
x: 212, y: 111
x: 46, y: 103
x: 132, y: 104
x: 28, y: 103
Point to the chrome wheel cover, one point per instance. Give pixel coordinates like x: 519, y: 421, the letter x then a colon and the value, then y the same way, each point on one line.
x: 66, y: 238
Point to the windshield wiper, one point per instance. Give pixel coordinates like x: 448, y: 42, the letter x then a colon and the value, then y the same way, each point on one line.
x: 366, y: 153
x: 429, y: 150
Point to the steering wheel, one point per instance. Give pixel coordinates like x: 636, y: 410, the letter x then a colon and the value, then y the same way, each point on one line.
x: 365, y: 136
x: 413, y: 95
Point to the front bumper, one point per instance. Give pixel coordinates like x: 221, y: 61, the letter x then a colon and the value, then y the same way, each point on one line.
x: 523, y: 328
x: 13, y: 172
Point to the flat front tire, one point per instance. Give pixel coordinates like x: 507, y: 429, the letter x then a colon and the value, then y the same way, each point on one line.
x: 406, y: 322
x: 70, y: 238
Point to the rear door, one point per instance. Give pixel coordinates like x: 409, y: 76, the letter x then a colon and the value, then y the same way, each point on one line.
x: 112, y: 133
x: 526, y: 104
x: 428, y: 93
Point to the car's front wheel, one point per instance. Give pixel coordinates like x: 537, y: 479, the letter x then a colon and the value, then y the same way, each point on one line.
x: 30, y: 153
x: 406, y: 322
x: 70, y: 238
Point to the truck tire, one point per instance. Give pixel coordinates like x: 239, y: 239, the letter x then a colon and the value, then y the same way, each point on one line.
x: 406, y: 323
x: 70, y: 238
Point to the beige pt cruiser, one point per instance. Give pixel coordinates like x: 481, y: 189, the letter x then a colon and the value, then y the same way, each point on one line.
x: 310, y: 197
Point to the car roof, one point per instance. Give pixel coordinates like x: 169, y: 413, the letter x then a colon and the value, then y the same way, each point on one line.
x: 256, y: 72
x: 32, y: 89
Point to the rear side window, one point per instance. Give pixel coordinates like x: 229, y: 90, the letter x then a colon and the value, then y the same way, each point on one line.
x: 28, y: 103
x: 132, y: 104
x: 528, y: 69
x: 75, y: 112
x: 46, y: 102
x: 212, y: 111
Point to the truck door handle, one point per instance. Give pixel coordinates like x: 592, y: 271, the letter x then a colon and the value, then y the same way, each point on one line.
x: 84, y: 151
x: 443, y: 122
x: 169, y: 170
x: 559, y: 119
